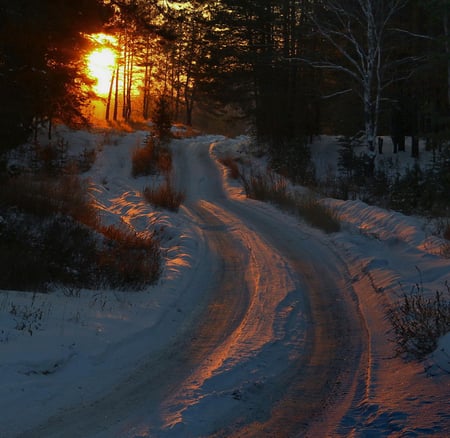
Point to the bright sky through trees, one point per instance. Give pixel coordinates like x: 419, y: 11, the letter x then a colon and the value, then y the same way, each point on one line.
x: 101, y: 62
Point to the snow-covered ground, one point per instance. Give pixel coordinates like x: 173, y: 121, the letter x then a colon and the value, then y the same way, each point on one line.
x: 69, y: 347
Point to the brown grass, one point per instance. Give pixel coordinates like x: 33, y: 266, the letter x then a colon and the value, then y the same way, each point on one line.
x: 232, y: 165
x: 128, y: 259
x: 164, y: 196
x: 151, y: 159
x: 272, y: 187
x: 50, y: 235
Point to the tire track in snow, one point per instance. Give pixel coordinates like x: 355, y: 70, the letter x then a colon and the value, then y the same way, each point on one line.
x: 332, y: 359
x: 276, y: 339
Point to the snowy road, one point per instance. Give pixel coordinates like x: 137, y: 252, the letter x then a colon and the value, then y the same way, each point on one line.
x: 259, y: 326
x: 276, y: 339
x: 299, y: 306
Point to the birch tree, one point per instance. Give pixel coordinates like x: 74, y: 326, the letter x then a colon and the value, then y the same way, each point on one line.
x: 359, y: 33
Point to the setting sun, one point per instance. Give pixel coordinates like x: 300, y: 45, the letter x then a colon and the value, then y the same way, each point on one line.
x: 101, y: 63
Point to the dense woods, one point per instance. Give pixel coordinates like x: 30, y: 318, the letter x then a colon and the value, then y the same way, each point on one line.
x: 41, y: 70
x: 294, y: 68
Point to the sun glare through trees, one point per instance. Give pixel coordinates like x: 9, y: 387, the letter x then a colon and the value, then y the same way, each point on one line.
x: 101, y: 63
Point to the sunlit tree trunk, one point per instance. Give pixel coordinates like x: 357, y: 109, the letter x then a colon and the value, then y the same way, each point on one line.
x: 108, y: 101
x: 148, y: 67
x: 116, y: 95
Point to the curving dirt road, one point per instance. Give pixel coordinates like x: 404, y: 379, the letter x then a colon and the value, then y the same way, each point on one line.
x: 277, y: 349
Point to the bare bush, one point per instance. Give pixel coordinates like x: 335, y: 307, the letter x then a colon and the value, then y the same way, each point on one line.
x: 273, y: 188
x: 49, y: 236
x: 232, y: 165
x: 318, y: 215
x: 128, y: 259
x: 43, y: 197
x: 142, y: 161
x: 418, y: 322
x: 155, y: 157
x: 38, y: 252
x: 164, y: 196
x: 267, y: 186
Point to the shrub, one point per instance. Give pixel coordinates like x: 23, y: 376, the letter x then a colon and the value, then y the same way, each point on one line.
x: 49, y: 235
x: 36, y: 252
x: 268, y: 186
x: 128, y: 259
x: 164, y: 159
x: 318, y: 215
x: 405, y: 191
x: 142, y: 161
x: 153, y: 158
x: 162, y: 119
x: 418, y: 322
x: 86, y: 159
x: 273, y: 187
x: 164, y: 196
x: 43, y: 197
x: 232, y: 166
x: 52, y: 158
x: 292, y: 158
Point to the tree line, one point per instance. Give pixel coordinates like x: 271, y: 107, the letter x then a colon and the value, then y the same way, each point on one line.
x: 296, y: 68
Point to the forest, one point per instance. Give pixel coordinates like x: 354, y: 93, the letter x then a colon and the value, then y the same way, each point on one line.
x: 290, y: 69
x: 295, y: 68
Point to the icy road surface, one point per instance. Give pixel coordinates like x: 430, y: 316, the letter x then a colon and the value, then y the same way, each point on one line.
x: 277, y: 338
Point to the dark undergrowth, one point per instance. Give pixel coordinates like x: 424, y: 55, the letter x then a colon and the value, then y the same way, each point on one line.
x: 51, y: 235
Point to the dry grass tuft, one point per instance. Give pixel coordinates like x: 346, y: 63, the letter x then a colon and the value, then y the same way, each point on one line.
x: 128, y: 259
x: 232, y: 165
x: 153, y: 158
x: 164, y: 196
x: 272, y: 187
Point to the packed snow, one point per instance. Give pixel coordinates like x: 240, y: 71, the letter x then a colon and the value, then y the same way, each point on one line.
x: 70, y: 347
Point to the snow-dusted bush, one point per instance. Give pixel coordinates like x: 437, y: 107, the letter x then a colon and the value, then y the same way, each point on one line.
x: 37, y: 253
x: 419, y: 321
x: 43, y: 196
x: 128, y: 260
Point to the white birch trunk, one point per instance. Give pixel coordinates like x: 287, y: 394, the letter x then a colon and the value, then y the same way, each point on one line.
x: 356, y: 30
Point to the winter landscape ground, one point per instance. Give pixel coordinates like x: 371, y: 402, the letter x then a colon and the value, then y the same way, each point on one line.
x: 254, y: 311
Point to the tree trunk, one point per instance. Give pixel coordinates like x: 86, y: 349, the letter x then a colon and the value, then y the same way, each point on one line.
x: 108, y: 102
x: 116, y: 97
x: 447, y: 52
